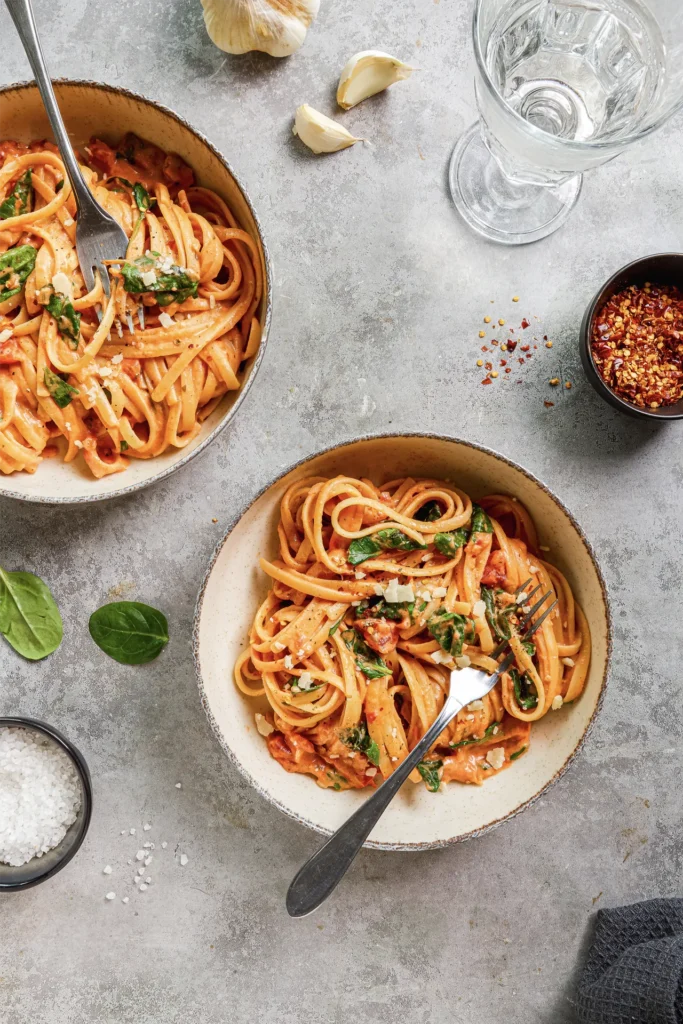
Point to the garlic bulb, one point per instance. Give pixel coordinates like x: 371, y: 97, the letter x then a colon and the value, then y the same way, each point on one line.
x: 277, y: 27
x: 368, y: 73
x: 321, y: 133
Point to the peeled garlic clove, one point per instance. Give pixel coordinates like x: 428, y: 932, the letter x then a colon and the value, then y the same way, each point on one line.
x: 321, y: 133
x: 277, y: 27
x: 368, y: 73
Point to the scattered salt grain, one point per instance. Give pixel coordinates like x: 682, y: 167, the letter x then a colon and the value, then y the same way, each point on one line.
x: 148, y: 880
x: 142, y: 887
x: 140, y: 855
x: 164, y: 845
x: 110, y: 896
x: 178, y: 785
x: 183, y: 859
x: 148, y: 861
x: 146, y: 827
x: 40, y: 794
x: 106, y: 870
x: 132, y: 832
x: 125, y: 899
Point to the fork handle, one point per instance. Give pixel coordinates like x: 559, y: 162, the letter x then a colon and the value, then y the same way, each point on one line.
x: 22, y: 16
x: 322, y: 873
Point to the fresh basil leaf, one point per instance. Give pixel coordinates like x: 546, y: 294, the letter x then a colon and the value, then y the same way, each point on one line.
x: 429, y: 770
x: 525, y: 691
x: 449, y: 543
x: 172, y: 286
x: 480, y: 521
x: 361, y: 549
x: 68, y: 320
x: 472, y: 739
x: 129, y: 632
x: 451, y: 631
x: 60, y: 391
x: 143, y: 200
x: 367, y: 661
x: 429, y: 512
x: 29, y: 617
x: 15, y: 266
x: 517, y: 753
x: 20, y: 198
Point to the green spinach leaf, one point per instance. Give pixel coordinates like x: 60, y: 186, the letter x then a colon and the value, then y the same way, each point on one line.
x: 60, y: 391
x: 451, y: 631
x: 358, y: 738
x: 480, y: 521
x: 174, y: 285
x: 367, y: 661
x: 15, y: 266
x: 20, y: 198
x: 449, y: 543
x: 143, y: 200
x: 68, y: 320
x: 429, y: 770
x: 29, y: 617
x: 525, y: 691
x: 429, y: 512
x: 390, y: 539
x: 382, y: 609
x: 472, y: 739
x: 517, y: 753
x: 129, y: 632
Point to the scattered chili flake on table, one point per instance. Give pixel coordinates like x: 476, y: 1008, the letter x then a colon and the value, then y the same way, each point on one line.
x: 637, y: 344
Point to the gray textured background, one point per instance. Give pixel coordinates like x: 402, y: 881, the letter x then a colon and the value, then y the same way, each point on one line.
x: 380, y: 293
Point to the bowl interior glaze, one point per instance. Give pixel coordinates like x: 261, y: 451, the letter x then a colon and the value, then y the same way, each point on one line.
x: 93, y: 109
x: 234, y: 587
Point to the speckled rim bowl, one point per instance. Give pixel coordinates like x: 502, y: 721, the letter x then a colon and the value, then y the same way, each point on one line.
x: 234, y: 586
x: 662, y: 268
x: 12, y: 879
x: 91, y: 108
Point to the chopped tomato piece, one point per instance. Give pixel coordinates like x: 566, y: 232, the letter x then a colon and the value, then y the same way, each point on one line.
x: 177, y: 172
x: 380, y: 634
x: 10, y: 352
x: 495, y: 573
x: 10, y: 149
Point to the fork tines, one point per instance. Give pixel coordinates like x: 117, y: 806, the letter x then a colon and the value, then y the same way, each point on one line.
x: 507, y: 661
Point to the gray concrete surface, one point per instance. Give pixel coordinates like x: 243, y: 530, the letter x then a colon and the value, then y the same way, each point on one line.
x: 380, y: 293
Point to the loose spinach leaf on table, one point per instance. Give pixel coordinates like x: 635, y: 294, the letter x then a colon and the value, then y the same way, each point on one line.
x: 449, y: 543
x: 390, y: 539
x: 15, y: 266
x: 429, y: 770
x: 129, y: 632
x: 29, y: 617
x: 19, y: 199
x: 451, y: 631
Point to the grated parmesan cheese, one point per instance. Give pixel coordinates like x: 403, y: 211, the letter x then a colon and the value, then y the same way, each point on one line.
x: 263, y: 725
x: 496, y: 757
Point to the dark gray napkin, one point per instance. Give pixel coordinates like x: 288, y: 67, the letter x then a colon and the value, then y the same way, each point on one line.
x: 634, y: 969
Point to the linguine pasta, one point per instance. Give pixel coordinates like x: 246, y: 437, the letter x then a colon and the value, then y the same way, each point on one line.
x: 377, y: 595
x: 133, y: 375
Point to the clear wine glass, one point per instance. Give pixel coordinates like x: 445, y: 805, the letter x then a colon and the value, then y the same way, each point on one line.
x: 562, y: 86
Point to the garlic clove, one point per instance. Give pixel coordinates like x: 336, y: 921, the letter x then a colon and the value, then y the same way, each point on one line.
x: 321, y: 133
x: 277, y: 27
x: 368, y: 73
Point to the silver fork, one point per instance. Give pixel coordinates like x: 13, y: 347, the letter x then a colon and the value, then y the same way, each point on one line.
x: 325, y: 869
x: 98, y: 236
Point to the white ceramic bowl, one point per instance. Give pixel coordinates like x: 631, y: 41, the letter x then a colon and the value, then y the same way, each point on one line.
x: 234, y: 586
x: 89, y: 108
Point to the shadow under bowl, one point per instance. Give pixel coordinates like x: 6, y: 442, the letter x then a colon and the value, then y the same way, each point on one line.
x: 662, y: 268
x: 39, y: 869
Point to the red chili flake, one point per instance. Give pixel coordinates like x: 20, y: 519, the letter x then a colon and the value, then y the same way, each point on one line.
x: 512, y: 345
x: 489, y: 366
x: 487, y: 380
x: 524, y: 348
x: 509, y: 370
x: 545, y: 337
x: 484, y: 348
x: 528, y: 355
x: 525, y: 323
x: 494, y: 342
x: 549, y: 405
x: 535, y: 348
x: 503, y: 362
x: 638, y: 344
x: 521, y: 360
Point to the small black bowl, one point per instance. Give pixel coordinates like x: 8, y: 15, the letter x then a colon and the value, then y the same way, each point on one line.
x: 665, y: 268
x: 40, y: 868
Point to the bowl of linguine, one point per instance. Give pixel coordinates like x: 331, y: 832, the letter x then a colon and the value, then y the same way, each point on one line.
x: 336, y: 608
x: 102, y: 396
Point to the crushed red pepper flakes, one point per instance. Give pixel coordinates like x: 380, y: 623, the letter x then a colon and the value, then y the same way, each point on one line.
x: 637, y: 344
x: 512, y: 345
x: 487, y: 380
x: 525, y: 323
x: 549, y: 405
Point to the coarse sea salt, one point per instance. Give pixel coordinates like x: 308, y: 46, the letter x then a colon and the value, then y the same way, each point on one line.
x: 40, y: 794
